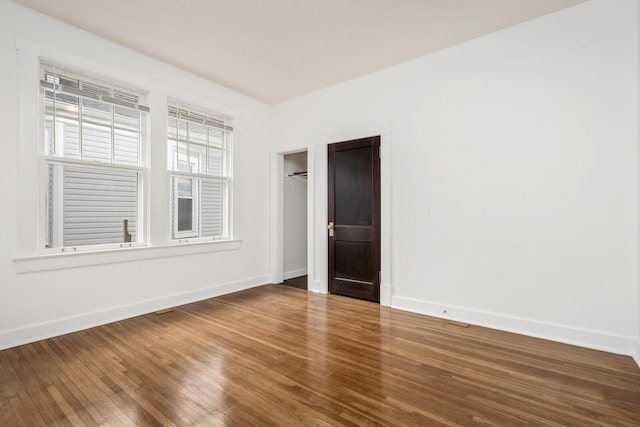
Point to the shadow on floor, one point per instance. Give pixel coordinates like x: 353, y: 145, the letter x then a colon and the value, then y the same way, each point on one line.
x: 297, y: 282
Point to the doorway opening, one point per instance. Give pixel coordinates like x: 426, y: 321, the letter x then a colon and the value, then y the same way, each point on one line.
x: 295, y: 226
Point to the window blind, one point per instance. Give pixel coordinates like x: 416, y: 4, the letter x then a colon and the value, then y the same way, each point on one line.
x: 221, y: 121
x: 66, y: 84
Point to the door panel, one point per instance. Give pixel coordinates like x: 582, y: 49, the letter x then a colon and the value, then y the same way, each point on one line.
x: 353, y: 171
x: 354, y: 260
x: 354, y: 211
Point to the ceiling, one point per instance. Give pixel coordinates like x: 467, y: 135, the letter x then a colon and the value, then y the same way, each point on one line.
x: 274, y: 50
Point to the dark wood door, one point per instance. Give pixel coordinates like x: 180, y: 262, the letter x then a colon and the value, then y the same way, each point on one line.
x: 354, y: 218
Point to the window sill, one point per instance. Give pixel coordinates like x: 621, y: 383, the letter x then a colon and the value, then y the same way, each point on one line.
x: 114, y: 256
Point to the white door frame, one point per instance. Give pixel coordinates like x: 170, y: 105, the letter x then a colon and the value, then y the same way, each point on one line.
x: 276, y: 263
x: 317, y: 205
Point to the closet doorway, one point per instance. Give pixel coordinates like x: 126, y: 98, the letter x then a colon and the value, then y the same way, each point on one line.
x: 295, y: 220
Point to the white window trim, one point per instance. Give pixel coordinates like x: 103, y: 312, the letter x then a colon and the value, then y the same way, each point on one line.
x: 31, y: 221
x: 120, y: 255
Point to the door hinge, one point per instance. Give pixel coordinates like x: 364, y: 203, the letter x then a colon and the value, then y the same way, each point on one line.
x: 379, y: 151
x: 380, y: 277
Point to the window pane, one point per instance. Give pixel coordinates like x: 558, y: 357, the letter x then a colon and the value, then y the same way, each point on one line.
x: 212, y: 208
x: 185, y: 214
x: 96, y: 111
x: 197, y: 133
x: 61, y: 125
x: 68, y: 139
x: 126, y: 118
x: 216, y: 137
x: 198, y: 158
x: 66, y: 106
x: 183, y: 163
x: 88, y: 206
x: 216, y: 165
x: 125, y: 147
x: 96, y: 142
x: 177, y: 129
x: 185, y: 188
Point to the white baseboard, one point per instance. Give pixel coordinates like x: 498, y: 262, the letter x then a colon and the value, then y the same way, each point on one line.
x: 36, y: 332
x: 318, y: 287
x: 596, y: 340
x: 636, y: 356
x: 294, y: 273
x: 385, y: 294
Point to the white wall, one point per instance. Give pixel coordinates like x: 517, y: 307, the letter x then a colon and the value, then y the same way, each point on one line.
x: 39, y: 304
x: 637, y: 350
x: 294, y: 216
x: 513, y: 173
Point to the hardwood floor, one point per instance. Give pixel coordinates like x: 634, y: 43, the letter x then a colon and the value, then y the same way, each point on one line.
x: 276, y: 355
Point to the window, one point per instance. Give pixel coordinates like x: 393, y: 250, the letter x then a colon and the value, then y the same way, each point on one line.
x: 199, y: 157
x: 93, y: 146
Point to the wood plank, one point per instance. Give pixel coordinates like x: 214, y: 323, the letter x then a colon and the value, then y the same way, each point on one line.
x: 277, y: 355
